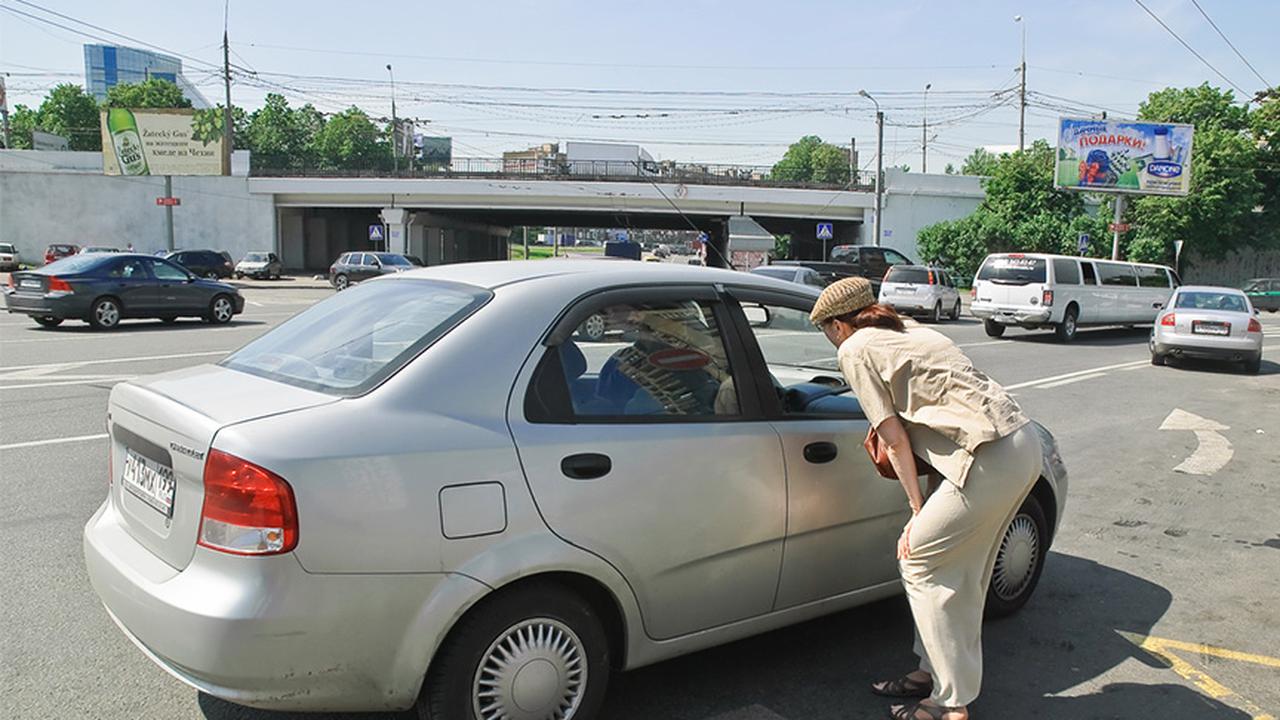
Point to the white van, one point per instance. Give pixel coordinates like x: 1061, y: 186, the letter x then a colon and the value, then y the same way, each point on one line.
x: 1033, y: 290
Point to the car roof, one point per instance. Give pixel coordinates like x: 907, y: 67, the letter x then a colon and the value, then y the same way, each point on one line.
x: 1210, y: 288
x: 606, y: 271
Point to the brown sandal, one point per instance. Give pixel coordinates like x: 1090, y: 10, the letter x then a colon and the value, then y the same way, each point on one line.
x: 903, y: 687
x: 908, y: 712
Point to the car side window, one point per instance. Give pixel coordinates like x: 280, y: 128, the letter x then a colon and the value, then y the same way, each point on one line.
x: 660, y: 360
x: 1116, y: 274
x: 1090, y: 274
x: 1153, y: 277
x: 893, y: 257
x: 131, y: 269
x: 1066, y: 272
x: 801, y: 362
x: 166, y: 271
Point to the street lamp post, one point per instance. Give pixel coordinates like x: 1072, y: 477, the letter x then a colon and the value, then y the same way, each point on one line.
x: 924, y: 131
x: 879, y: 163
x: 395, y: 125
x: 1022, y: 89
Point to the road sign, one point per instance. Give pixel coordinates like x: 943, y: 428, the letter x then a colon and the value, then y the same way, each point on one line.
x: 375, y: 233
x: 1118, y: 227
x: 168, y: 201
x: 1083, y: 243
x: 826, y: 231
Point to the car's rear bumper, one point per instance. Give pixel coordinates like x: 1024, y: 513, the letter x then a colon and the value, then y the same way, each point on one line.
x: 1209, y: 349
x: 46, y: 305
x: 261, y: 631
x: 1011, y: 315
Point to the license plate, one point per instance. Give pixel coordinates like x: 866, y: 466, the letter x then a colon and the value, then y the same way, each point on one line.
x: 149, y: 481
x: 29, y: 284
x: 1201, y: 327
x: 906, y: 290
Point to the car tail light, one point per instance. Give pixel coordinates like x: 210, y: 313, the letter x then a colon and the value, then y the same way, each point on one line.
x: 973, y: 293
x: 1169, y: 320
x: 1254, y: 325
x: 248, y: 510
x: 57, y: 284
x: 1047, y: 299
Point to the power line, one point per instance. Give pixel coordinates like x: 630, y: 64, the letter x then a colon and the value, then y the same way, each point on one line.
x: 1191, y: 49
x: 1230, y: 44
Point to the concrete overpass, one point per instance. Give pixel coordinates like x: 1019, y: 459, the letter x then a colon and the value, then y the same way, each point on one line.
x: 449, y: 220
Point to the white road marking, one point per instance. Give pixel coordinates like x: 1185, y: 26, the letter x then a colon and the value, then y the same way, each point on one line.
x: 255, y: 304
x: 980, y: 344
x: 1068, y: 381
x: 1213, y: 450
x: 144, y: 358
x: 1090, y: 371
x: 109, y: 379
x: 53, y: 441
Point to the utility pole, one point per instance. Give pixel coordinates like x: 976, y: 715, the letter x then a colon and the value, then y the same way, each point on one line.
x: 395, y: 125
x: 853, y: 161
x: 879, y: 163
x: 924, y: 132
x: 226, y: 79
x: 526, y: 242
x: 1022, y: 89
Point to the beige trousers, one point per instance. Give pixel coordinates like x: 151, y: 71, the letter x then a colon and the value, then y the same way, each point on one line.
x: 954, y: 542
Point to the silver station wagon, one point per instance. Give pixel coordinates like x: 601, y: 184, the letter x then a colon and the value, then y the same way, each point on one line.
x: 430, y: 491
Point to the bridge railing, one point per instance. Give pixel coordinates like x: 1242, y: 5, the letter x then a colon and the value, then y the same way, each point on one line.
x: 601, y: 170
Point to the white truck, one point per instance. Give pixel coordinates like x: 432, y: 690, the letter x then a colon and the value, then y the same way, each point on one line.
x: 608, y: 159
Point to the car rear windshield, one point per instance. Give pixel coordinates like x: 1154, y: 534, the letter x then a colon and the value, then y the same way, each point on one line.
x: 255, y: 257
x: 392, y: 259
x: 915, y: 276
x: 74, y: 264
x: 1010, y: 270
x: 1210, y: 301
x: 6, y: 248
x: 349, y: 343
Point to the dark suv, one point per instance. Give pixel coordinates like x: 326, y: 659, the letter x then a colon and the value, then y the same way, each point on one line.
x: 866, y: 261
x: 353, y: 267
x: 205, y: 263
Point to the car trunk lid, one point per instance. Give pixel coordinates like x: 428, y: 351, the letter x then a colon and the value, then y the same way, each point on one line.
x: 1209, y: 323
x: 161, y: 430
x: 29, y: 282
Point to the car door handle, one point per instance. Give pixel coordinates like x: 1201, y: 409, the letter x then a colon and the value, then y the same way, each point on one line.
x: 820, y: 452
x: 586, y: 466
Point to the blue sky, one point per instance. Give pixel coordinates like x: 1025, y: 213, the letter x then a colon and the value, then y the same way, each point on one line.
x: 749, y: 76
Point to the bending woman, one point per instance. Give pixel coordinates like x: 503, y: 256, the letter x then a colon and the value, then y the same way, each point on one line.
x: 924, y: 397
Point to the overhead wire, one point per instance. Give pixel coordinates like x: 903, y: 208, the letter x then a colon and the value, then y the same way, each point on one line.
x: 1230, y: 44
x: 1192, y: 50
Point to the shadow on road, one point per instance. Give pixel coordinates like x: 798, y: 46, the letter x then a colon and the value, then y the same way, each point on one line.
x: 1219, y: 367
x: 1064, y: 638
x: 130, y: 327
x: 1105, y: 337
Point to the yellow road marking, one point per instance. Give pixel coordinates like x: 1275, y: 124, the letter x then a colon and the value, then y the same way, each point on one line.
x: 1162, y: 649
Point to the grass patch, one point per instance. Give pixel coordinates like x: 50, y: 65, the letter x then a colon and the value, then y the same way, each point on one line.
x: 541, y: 252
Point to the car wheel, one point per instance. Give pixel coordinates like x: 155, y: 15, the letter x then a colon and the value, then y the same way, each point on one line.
x: 1066, y: 330
x: 1253, y: 365
x: 221, y: 310
x: 1019, y: 560
x: 592, y: 329
x: 993, y: 328
x: 936, y: 315
x: 955, y: 311
x: 47, y: 320
x: 535, y: 652
x: 168, y: 320
x: 105, y: 313
x: 239, y: 276
x: 1158, y: 360
x: 341, y: 282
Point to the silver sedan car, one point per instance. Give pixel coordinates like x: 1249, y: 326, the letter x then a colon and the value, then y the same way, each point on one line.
x: 1215, y: 323
x: 430, y: 492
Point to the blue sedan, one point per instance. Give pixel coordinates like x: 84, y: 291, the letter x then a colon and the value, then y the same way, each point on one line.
x: 103, y: 289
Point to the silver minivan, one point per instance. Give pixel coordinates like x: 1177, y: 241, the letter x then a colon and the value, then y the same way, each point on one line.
x: 430, y: 491
x: 1033, y: 290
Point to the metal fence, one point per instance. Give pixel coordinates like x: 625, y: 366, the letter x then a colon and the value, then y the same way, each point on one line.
x: 604, y: 170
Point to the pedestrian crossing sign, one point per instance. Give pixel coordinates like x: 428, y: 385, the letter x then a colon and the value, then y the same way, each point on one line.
x: 826, y: 231
x: 375, y: 233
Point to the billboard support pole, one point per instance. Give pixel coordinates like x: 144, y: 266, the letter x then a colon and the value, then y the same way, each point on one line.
x: 1115, y: 238
x: 168, y: 211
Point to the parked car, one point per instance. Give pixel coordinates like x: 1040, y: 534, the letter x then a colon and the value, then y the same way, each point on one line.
x: 921, y: 290
x: 90, y: 249
x: 866, y: 261
x: 353, y: 267
x: 9, y: 257
x: 104, y: 288
x: 57, y: 251
x: 261, y: 265
x: 1215, y: 323
x: 415, y: 261
x: 1264, y: 293
x: 1033, y: 290
x: 205, y: 263
x: 425, y: 491
x: 791, y: 273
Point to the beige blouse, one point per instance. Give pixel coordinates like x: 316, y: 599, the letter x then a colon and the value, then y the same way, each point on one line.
x: 948, y: 406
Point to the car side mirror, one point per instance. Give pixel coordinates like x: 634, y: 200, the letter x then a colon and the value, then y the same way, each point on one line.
x: 757, y: 315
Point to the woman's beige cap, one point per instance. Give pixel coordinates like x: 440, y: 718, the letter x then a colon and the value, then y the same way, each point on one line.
x: 842, y: 296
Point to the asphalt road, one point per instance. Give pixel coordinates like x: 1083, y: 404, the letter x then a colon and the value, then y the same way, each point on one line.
x: 1190, y: 562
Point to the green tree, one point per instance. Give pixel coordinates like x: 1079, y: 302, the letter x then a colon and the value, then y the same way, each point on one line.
x: 351, y: 141
x: 279, y: 136
x: 980, y: 162
x: 949, y: 169
x: 153, y: 93
x: 22, y: 121
x: 809, y: 159
x: 69, y: 112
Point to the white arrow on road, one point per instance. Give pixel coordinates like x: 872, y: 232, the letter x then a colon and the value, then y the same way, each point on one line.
x: 1214, y: 450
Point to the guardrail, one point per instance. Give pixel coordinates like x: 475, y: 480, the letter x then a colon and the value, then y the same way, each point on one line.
x: 599, y: 170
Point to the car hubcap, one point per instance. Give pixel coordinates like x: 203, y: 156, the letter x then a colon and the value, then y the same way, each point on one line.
x: 1016, y: 561
x: 594, y: 326
x: 108, y: 314
x: 535, y: 670
x: 1071, y: 324
x: 342, y: 283
x: 222, y: 310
